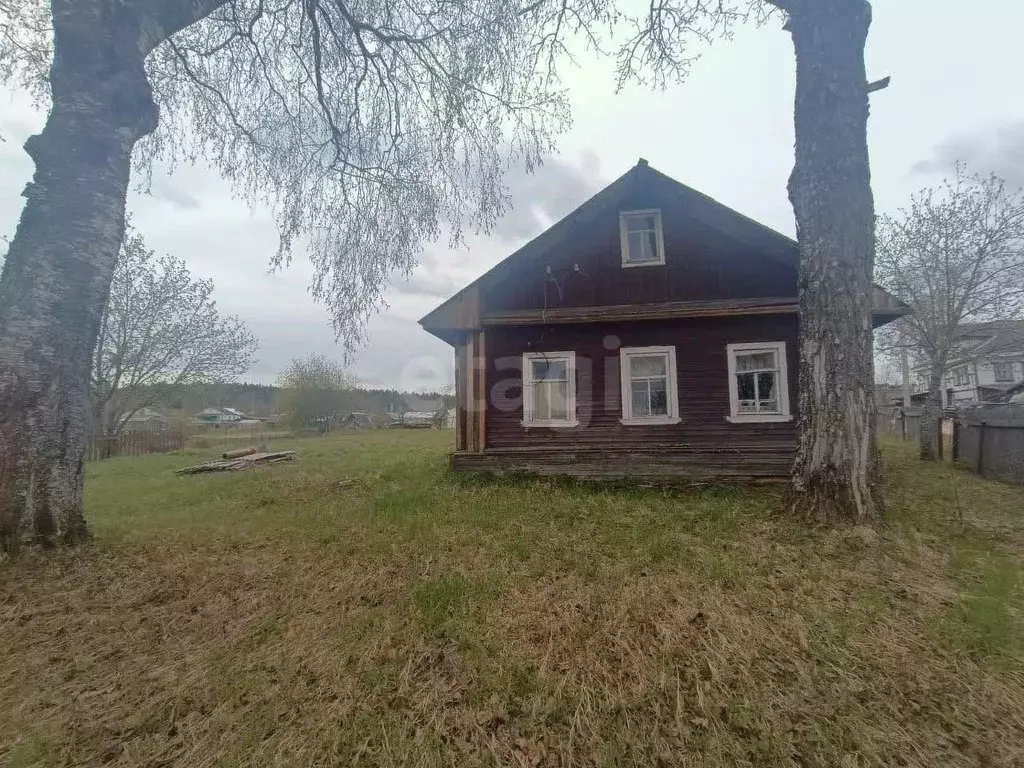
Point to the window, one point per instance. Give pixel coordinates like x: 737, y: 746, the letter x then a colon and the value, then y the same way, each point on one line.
x: 961, y: 376
x: 1002, y: 371
x: 649, y: 391
x: 549, y: 389
x: 642, y: 241
x: 758, y: 387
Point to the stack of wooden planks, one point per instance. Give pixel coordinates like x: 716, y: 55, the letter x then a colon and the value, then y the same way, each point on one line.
x: 233, y: 461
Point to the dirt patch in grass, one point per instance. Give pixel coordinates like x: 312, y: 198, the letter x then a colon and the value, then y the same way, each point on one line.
x: 409, y: 620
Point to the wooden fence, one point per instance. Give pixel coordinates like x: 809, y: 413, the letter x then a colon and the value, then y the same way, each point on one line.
x: 899, y: 422
x: 135, y: 443
x: 905, y: 423
x: 990, y: 441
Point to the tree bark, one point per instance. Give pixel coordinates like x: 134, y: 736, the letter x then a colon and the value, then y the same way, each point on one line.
x: 930, y: 414
x: 60, y: 263
x: 837, y: 472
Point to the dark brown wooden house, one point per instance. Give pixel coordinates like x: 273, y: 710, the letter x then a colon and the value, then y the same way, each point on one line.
x: 651, y: 333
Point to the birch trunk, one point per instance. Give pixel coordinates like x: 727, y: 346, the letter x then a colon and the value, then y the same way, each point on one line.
x: 59, y: 266
x: 837, y: 472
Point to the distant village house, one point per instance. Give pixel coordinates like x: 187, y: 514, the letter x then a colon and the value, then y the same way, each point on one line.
x: 990, y: 368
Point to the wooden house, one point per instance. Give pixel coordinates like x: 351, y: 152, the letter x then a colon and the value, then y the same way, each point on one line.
x: 987, y: 364
x: 651, y: 333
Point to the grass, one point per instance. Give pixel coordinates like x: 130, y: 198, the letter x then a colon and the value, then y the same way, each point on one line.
x: 283, y: 617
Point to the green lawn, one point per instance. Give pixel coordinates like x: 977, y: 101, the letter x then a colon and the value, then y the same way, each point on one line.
x: 361, y: 606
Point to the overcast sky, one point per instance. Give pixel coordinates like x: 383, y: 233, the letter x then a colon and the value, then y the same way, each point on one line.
x: 728, y: 131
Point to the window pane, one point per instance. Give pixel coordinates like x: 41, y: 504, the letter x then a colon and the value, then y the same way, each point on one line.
x: 641, y: 399
x: 766, y: 387
x: 541, y: 402
x: 549, y: 369
x: 643, y: 247
x: 756, y: 361
x: 641, y: 223
x: 659, y: 398
x: 558, y: 395
x: 746, y: 392
x: 643, y: 367
x: 556, y: 370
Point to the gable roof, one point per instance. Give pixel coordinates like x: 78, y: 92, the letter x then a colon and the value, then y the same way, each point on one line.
x: 462, y: 310
x: 1005, y: 336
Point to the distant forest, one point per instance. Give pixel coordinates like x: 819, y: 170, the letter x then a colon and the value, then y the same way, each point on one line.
x: 262, y: 399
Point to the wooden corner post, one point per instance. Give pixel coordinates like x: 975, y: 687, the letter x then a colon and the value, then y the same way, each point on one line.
x: 460, y: 397
x: 472, y: 384
x: 481, y: 391
x: 469, y: 378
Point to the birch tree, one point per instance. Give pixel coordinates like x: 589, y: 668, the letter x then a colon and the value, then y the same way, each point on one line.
x: 955, y: 254
x: 837, y: 475
x: 160, y: 331
x: 837, y: 472
x: 314, y: 392
x: 368, y: 127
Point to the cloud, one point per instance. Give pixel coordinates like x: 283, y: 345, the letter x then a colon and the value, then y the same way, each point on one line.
x: 538, y: 200
x: 166, y: 190
x: 403, y: 356
x: 999, y: 151
x: 549, y: 193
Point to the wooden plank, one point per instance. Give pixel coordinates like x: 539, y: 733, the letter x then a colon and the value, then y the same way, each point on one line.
x: 243, y: 462
x: 673, y: 468
x: 981, y: 448
x: 655, y: 311
x: 481, y: 371
x: 460, y: 397
x: 469, y: 382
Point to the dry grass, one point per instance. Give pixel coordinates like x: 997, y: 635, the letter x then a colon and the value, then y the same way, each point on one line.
x: 276, y: 618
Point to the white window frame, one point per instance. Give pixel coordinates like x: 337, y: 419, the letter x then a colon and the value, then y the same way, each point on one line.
x: 570, y: 405
x: 784, y: 413
x: 1009, y: 366
x: 626, y: 389
x: 659, y: 237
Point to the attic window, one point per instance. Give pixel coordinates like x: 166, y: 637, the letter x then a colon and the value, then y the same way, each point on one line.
x: 643, y: 244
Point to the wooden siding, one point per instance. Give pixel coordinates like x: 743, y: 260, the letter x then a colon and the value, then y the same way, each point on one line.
x: 701, y: 263
x: 703, y: 438
x: 659, y: 311
x: 664, y: 466
x: 470, y: 393
x: 460, y: 397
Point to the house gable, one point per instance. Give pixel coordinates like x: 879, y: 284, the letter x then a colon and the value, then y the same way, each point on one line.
x: 701, y: 261
x: 715, y: 260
